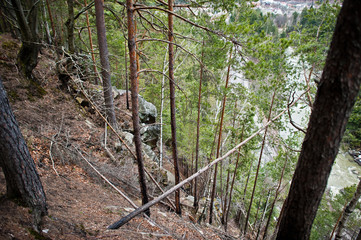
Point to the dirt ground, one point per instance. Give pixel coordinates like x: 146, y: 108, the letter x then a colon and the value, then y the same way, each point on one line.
x: 81, y: 204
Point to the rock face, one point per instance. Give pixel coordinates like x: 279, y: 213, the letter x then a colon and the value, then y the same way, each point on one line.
x: 147, y: 111
x: 117, y: 92
x: 148, y: 153
x: 150, y: 134
x: 147, y: 115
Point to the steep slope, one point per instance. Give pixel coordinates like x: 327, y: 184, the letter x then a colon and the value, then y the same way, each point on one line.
x: 81, y: 204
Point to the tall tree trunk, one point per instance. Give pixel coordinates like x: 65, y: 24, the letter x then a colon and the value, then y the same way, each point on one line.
x: 259, y: 163
x: 275, y: 199
x: 219, y: 144
x: 336, y: 95
x: 224, y: 210
x: 172, y: 104
x: 51, y: 21
x: 161, y: 112
x: 232, y: 183
x: 195, y: 203
x: 70, y: 26
x: 263, y: 214
x: 134, y: 91
x: 247, y: 180
x: 22, y: 179
x: 223, y: 220
x: 348, y: 211
x: 46, y: 25
x: 91, y: 44
x: 104, y: 60
x: 27, y: 58
x: 126, y: 74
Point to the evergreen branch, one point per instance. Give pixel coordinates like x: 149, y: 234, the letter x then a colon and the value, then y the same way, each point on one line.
x: 221, y: 34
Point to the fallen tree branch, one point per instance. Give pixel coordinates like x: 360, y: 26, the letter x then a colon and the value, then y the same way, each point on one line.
x: 105, y: 179
x: 121, y: 193
x: 143, y: 208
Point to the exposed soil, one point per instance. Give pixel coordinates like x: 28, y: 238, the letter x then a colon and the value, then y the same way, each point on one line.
x: 81, y: 204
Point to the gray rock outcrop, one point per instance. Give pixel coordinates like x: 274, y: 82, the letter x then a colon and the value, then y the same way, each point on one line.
x: 147, y: 111
x: 150, y: 134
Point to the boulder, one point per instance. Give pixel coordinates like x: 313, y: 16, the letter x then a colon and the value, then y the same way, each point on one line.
x: 150, y: 134
x: 118, y: 92
x: 147, y: 111
x: 170, y: 179
x: 149, y: 154
x: 128, y: 137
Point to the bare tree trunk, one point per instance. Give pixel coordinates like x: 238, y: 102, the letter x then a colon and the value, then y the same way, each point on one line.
x: 172, y: 104
x: 91, y: 44
x: 51, y: 21
x: 263, y: 215
x: 259, y: 164
x: 219, y: 144
x: 104, y: 60
x: 247, y: 180
x: 134, y: 90
x: 226, y: 195
x: 22, y: 179
x: 70, y: 26
x: 232, y: 183
x: 224, y: 216
x: 126, y: 74
x: 46, y: 25
x: 348, y: 211
x: 27, y: 58
x: 161, y: 113
x: 195, y: 203
x: 275, y: 199
x: 336, y: 95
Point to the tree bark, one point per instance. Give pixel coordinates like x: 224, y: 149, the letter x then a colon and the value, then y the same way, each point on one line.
x: 104, y: 60
x: 195, y: 203
x: 27, y: 58
x: 348, y: 211
x: 134, y: 91
x: 51, y: 21
x: 22, y: 179
x: 259, y: 164
x: 91, y: 45
x: 126, y: 75
x: 219, y: 144
x: 172, y: 104
x: 70, y: 26
x: 275, y: 199
x: 232, y: 183
x: 336, y: 95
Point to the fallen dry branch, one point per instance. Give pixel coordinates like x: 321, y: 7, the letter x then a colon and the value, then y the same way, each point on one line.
x: 141, y: 209
x: 121, y: 193
x: 105, y: 179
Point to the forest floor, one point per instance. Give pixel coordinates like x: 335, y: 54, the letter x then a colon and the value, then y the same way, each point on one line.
x: 80, y: 203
